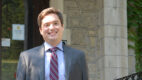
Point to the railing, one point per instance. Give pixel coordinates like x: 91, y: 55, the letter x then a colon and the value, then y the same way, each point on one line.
x: 135, y: 76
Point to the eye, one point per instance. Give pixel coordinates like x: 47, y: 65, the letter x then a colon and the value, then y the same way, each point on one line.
x: 56, y: 23
x: 46, y: 25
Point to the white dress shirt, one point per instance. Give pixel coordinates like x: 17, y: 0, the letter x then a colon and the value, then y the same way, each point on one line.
x: 61, y: 62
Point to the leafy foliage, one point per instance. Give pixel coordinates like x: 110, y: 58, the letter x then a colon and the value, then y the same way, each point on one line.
x: 12, y: 13
x: 135, y: 29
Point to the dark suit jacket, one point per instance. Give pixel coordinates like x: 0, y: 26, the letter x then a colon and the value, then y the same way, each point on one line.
x: 31, y: 65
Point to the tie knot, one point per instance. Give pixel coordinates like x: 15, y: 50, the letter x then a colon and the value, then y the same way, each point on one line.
x: 54, y: 49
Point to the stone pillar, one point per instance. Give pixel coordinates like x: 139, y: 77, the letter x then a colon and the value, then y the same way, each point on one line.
x: 114, y: 39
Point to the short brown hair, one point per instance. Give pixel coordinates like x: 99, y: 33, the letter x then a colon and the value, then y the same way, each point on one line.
x: 47, y: 11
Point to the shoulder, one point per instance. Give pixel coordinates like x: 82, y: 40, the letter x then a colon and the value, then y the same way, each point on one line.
x: 73, y: 50
x: 75, y: 54
x: 32, y: 50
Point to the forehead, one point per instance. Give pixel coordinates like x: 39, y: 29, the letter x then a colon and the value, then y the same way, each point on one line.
x: 50, y: 18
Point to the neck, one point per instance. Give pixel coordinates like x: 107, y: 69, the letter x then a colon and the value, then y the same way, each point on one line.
x: 53, y: 43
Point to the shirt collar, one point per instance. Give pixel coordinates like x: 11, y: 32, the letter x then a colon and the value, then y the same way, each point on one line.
x: 47, y: 46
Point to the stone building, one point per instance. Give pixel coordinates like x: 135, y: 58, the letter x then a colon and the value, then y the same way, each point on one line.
x: 99, y: 28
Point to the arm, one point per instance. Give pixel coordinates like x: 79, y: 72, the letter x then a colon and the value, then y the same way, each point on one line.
x: 84, y: 67
x: 21, y: 69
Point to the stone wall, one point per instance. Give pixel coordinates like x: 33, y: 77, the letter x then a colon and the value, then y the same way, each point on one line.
x: 131, y: 59
x: 99, y: 28
x: 84, y: 20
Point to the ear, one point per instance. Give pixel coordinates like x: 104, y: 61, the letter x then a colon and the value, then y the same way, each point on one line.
x: 40, y: 30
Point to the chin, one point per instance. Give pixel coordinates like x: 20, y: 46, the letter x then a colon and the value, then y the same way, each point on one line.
x: 53, y: 38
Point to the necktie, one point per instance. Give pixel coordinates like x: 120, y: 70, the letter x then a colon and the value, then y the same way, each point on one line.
x: 54, y: 64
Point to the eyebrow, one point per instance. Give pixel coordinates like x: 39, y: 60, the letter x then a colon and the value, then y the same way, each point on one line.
x: 51, y: 22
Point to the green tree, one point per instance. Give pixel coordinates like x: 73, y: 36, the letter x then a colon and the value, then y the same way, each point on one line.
x: 12, y: 13
x: 135, y: 29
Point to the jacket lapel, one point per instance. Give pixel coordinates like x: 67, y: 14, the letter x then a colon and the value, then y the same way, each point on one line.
x: 41, y: 60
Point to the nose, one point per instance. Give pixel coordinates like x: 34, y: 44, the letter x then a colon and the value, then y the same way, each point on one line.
x: 51, y: 26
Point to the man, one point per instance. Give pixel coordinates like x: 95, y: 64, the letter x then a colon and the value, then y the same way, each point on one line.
x: 53, y: 60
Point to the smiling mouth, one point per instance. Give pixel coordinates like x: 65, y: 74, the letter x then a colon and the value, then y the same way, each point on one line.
x: 52, y: 33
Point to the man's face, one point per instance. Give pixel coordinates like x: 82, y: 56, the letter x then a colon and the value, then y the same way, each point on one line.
x: 51, y: 28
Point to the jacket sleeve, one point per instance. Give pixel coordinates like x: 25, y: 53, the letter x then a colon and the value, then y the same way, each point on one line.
x: 21, y: 69
x: 84, y: 67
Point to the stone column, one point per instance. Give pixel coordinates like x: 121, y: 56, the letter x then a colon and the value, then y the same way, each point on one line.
x: 114, y: 39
